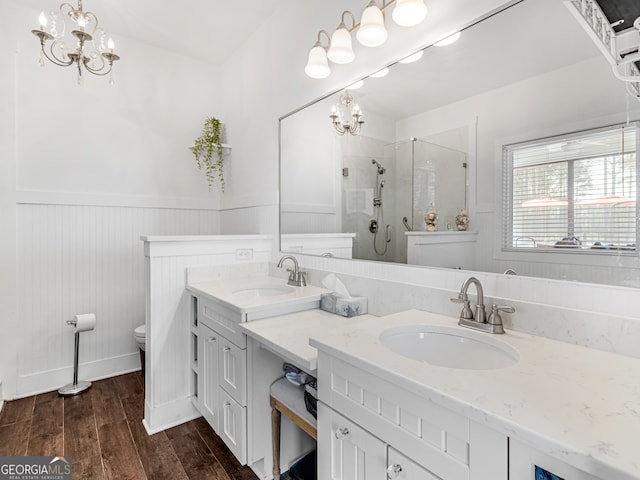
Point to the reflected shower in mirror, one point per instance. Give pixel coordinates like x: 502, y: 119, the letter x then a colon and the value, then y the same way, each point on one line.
x: 432, y: 141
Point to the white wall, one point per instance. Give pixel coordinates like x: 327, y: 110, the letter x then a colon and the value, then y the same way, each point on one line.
x: 85, y: 171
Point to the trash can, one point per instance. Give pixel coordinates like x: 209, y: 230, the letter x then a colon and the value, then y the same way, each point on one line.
x: 305, y: 468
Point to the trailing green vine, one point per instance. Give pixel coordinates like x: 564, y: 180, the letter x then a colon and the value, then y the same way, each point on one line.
x: 209, y: 153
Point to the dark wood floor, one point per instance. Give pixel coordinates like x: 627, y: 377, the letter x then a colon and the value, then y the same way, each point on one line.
x: 103, y: 433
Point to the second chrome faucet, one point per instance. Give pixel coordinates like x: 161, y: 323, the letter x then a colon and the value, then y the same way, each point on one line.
x: 478, y: 319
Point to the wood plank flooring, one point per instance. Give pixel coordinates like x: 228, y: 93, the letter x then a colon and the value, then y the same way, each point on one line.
x: 103, y: 433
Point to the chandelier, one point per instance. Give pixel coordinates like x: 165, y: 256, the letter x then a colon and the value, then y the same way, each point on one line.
x: 76, y: 39
x: 351, y: 121
x: 371, y: 32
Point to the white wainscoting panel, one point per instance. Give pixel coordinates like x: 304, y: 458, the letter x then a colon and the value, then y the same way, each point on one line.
x: 168, y: 378
x: 77, y: 259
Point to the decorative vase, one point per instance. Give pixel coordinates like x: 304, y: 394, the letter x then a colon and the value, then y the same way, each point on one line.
x: 462, y: 220
x: 431, y: 220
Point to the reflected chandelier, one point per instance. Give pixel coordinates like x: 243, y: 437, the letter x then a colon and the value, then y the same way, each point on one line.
x: 91, y: 53
x: 370, y: 33
x: 352, y: 122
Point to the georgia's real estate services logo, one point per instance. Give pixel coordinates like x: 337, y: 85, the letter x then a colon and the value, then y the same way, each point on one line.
x: 35, y: 468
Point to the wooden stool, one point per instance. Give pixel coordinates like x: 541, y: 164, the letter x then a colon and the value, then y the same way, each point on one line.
x: 288, y: 399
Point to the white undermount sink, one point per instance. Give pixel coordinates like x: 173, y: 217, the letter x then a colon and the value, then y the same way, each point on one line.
x: 449, y: 347
x: 267, y: 290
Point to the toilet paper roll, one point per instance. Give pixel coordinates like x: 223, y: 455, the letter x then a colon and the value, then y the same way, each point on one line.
x: 85, y: 322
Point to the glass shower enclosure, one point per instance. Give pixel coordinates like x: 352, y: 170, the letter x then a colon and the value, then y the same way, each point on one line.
x: 386, y: 195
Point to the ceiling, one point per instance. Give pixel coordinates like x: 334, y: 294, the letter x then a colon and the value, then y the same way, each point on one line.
x: 209, y: 30
x: 482, y: 60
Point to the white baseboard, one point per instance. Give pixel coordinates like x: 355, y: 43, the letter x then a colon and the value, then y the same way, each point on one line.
x: 163, y: 417
x: 53, y: 379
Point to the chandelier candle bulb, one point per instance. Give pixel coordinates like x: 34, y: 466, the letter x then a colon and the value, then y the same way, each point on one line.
x: 43, y: 21
x: 111, y: 45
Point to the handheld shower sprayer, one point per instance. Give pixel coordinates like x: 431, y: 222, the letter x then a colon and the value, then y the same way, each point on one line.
x: 381, y: 169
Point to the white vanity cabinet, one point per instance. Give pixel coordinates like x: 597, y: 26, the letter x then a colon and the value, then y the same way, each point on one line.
x: 222, y: 378
x: 232, y: 375
x: 370, y: 428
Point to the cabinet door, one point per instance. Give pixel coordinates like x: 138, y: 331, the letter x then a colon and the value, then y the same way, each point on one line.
x: 403, y: 468
x: 232, y: 371
x: 346, y: 451
x: 209, y: 374
x: 523, y: 461
x: 233, y: 426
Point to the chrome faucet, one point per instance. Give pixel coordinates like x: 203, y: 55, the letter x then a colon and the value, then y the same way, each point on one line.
x: 296, y: 277
x: 478, y: 320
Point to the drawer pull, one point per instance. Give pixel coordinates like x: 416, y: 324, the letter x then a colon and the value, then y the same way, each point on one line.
x: 211, y: 339
x: 341, y: 432
x: 227, y: 349
x: 227, y: 404
x: 394, y: 471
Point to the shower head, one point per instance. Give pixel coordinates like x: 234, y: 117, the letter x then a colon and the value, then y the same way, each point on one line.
x: 381, y: 169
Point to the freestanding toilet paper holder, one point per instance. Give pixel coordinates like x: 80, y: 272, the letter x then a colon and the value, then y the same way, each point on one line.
x: 78, y: 386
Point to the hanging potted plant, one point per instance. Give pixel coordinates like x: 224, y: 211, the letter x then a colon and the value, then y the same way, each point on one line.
x: 209, y: 151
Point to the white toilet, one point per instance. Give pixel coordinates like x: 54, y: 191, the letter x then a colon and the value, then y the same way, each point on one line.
x: 139, y: 335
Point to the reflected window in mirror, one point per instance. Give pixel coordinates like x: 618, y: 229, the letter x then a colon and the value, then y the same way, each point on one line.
x: 576, y: 192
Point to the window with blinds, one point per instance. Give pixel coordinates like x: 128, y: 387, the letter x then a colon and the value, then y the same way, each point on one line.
x: 573, y: 193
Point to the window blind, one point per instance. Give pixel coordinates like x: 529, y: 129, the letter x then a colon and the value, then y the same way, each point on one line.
x: 573, y: 192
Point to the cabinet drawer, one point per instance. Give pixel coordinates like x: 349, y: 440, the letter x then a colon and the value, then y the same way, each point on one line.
x: 232, y: 373
x: 223, y: 320
x: 233, y: 426
x: 403, y: 468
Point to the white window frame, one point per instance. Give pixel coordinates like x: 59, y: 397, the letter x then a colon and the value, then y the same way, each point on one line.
x: 507, y: 195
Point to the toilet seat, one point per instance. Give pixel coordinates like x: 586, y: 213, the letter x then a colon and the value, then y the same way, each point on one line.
x: 139, y: 334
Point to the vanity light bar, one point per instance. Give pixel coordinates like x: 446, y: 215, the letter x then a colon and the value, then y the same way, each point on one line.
x: 370, y: 33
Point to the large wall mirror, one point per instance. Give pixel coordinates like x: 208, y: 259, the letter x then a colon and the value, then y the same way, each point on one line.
x: 433, y: 141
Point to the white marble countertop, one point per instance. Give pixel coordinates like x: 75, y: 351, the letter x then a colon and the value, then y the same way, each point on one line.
x: 241, y: 295
x: 288, y: 335
x: 579, y: 405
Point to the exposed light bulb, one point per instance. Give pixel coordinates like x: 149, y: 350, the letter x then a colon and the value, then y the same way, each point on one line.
x: 42, y: 19
x: 111, y: 45
x: 408, y: 13
x: 82, y: 22
x: 371, y: 32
